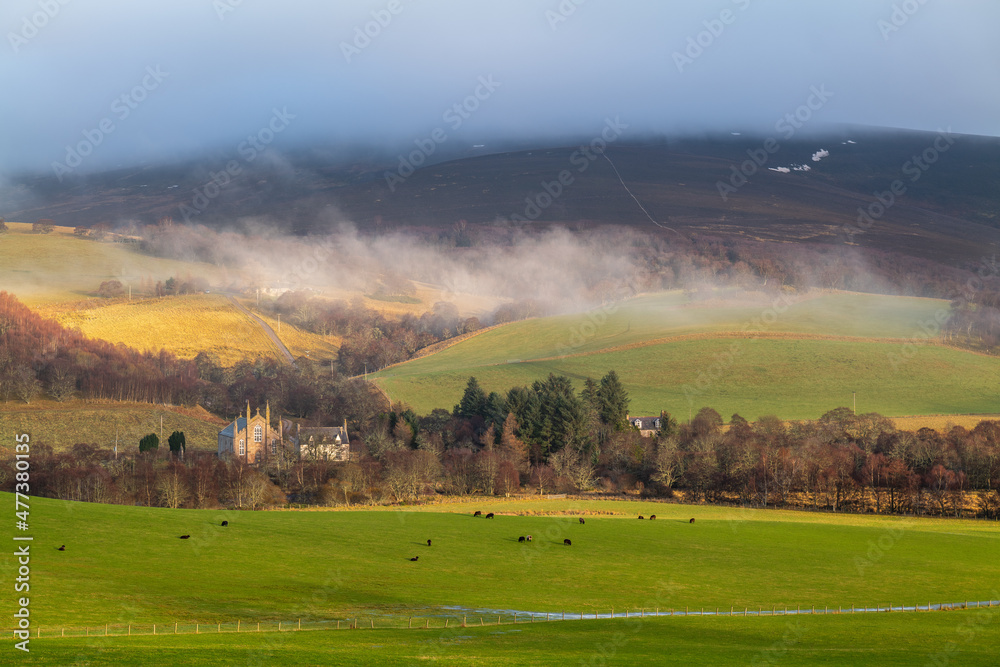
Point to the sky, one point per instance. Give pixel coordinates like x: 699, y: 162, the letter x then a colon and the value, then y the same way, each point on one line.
x: 100, y: 84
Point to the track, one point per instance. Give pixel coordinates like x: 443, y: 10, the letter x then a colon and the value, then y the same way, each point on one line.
x: 266, y: 328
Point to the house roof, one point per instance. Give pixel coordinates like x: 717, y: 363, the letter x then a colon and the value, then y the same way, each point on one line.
x: 319, y: 433
x: 241, y: 424
x: 645, y: 423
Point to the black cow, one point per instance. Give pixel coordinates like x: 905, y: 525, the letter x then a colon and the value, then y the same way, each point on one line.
x: 415, y: 558
x: 225, y: 523
x: 62, y: 548
x: 490, y: 515
x: 521, y: 539
x: 641, y: 516
x: 428, y: 542
x: 184, y: 537
x: 567, y: 542
x: 652, y: 516
x: 691, y: 521
x: 581, y: 520
x: 478, y: 513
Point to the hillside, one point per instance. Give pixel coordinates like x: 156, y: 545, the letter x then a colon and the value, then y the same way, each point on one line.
x: 949, y: 212
x: 680, y: 356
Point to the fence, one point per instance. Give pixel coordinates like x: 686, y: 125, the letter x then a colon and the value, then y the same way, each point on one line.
x: 475, y: 618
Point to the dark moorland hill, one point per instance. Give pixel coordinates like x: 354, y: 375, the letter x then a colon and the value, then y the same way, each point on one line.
x: 950, y: 209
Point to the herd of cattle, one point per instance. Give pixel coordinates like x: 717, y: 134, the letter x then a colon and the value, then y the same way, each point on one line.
x: 527, y: 538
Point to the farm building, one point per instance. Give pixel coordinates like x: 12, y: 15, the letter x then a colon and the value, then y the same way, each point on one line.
x: 322, y: 442
x: 648, y: 426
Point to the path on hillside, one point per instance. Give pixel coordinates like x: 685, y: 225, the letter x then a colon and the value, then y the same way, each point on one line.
x: 265, y: 327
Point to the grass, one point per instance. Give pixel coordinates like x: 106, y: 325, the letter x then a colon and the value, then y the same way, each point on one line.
x: 58, y: 267
x: 966, y: 637
x: 125, y: 565
x: 678, y: 358
x: 318, y: 565
x: 184, y: 325
x: 62, y: 425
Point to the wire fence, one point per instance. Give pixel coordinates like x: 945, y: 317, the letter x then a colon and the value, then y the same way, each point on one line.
x: 480, y: 617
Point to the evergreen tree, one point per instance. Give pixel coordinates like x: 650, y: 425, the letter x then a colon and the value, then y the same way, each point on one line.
x: 177, y: 443
x: 473, y: 401
x: 149, y: 443
x: 613, y: 401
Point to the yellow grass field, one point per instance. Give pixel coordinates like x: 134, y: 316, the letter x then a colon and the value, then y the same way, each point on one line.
x: 941, y: 423
x: 63, y: 425
x: 184, y: 325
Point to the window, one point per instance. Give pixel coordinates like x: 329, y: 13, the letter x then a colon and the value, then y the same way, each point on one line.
x: 258, y: 433
x: 274, y: 446
x: 243, y: 448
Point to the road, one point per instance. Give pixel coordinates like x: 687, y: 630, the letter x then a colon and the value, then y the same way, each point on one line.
x: 266, y: 328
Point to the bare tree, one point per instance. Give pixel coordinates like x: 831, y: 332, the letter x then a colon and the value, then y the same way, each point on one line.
x: 172, y: 486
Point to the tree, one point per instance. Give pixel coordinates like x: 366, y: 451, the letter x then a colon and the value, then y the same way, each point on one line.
x: 612, y: 402
x: 513, y: 448
x: 177, y: 443
x: 3, y: 226
x: 149, y: 443
x: 43, y: 226
x: 109, y: 289
x: 23, y: 383
x: 473, y: 401
x: 172, y: 486
x: 81, y: 232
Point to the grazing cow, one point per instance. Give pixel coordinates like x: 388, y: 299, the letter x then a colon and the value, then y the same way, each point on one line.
x: 521, y: 539
x: 529, y: 538
x: 641, y: 516
x: 691, y: 521
x: 225, y: 523
x: 428, y: 542
x: 567, y: 542
x: 62, y: 548
x: 478, y: 513
x: 652, y: 516
x: 184, y: 537
x: 415, y: 558
x: 490, y: 515
x: 581, y: 520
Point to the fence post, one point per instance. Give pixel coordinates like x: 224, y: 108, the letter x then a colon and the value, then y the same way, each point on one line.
x: 218, y: 627
x: 196, y: 628
x: 130, y: 630
x: 338, y: 624
x: 64, y: 632
x: 300, y: 624
x: 238, y: 625
x: 744, y: 611
x: 410, y: 622
x: 626, y: 612
x: 154, y: 628
x: 175, y: 627
x: 373, y: 624
x: 105, y: 630
x: 279, y: 625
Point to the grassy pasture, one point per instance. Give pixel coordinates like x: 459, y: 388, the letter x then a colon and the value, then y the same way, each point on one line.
x: 961, y: 637
x: 126, y: 565
x: 62, y: 425
x: 59, y: 267
x: 794, y: 379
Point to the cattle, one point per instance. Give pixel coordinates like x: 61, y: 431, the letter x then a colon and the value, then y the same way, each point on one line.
x: 529, y: 538
x: 184, y: 537
x: 581, y: 520
x: 414, y: 559
x: 567, y: 542
x: 641, y: 516
x: 691, y: 521
x: 62, y: 548
x: 490, y: 515
x: 477, y: 513
x: 225, y: 523
x: 652, y: 516
x: 428, y: 542
x: 521, y: 539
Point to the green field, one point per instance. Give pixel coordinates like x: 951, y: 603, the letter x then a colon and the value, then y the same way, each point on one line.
x: 680, y: 357
x: 126, y: 565
x: 961, y: 638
